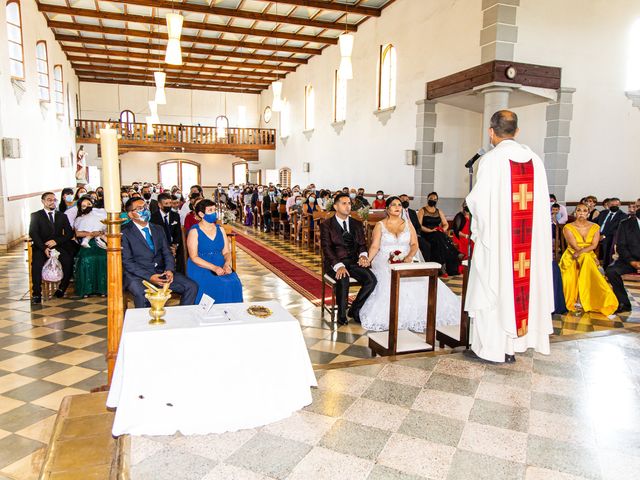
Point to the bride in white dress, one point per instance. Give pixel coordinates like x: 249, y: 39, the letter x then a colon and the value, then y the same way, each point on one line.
x: 389, y: 235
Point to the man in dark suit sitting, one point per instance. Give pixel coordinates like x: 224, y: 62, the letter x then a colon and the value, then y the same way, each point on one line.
x: 345, y: 255
x: 49, y: 229
x: 170, y: 223
x: 151, y: 203
x: 412, y: 215
x: 146, y: 256
x: 609, y: 222
x: 628, y: 260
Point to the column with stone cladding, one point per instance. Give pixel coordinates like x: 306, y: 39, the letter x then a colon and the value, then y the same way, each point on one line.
x: 426, y: 120
x: 499, y: 30
x: 557, y: 143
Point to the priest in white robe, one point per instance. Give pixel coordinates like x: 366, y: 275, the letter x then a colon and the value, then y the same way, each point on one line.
x: 510, y: 290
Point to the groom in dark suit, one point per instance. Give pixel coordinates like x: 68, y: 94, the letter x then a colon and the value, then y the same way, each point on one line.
x: 146, y: 256
x: 345, y: 255
x: 628, y: 260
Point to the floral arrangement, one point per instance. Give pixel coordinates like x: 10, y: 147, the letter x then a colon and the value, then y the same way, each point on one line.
x: 364, y: 213
x: 329, y: 205
x: 228, y: 216
x: 396, y: 257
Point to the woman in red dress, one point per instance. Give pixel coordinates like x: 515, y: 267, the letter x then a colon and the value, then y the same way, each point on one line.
x: 462, y: 232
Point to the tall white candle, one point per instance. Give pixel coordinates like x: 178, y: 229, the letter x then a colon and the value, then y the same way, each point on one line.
x: 110, y: 169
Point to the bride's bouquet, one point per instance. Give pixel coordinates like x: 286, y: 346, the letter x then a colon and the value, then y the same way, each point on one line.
x: 396, y: 257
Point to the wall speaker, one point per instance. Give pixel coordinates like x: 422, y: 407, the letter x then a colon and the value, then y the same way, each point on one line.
x: 305, y: 167
x: 410, y: 157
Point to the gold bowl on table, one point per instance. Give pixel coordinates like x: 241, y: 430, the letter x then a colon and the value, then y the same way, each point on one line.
x: 157, y: 298
x: 259, y: 311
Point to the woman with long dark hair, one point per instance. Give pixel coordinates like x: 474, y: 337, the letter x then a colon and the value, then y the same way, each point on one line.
x: 91, y: 264
x: 434, y: 226
x: 66, y: 199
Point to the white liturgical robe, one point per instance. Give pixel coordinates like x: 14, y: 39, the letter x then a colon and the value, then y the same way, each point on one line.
x: 510, y: 290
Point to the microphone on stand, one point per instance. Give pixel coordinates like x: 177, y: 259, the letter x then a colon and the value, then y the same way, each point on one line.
x: 475, y: 158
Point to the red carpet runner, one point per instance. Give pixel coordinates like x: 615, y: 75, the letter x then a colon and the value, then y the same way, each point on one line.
x: 302, y: 280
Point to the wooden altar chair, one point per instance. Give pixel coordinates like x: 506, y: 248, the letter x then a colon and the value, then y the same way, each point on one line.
x: 328, y: 280
x: 457, y: 335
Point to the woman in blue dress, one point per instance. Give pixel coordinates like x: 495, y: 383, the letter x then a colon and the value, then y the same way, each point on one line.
x: 209, y: 263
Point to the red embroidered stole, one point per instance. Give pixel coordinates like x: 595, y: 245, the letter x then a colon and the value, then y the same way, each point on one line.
x: 521, y: 230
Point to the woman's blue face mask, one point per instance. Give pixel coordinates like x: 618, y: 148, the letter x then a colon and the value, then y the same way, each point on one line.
x: 211, y: 217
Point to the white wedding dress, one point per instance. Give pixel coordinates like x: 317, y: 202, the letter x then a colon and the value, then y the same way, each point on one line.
x: 412, y: 313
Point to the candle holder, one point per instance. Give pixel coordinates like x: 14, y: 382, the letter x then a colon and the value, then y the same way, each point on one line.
x: 157, y: 299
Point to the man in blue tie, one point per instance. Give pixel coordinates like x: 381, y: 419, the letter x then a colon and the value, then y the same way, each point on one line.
x: 146, y: 256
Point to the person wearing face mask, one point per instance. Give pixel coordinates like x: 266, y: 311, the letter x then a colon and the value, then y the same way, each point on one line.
x: 146, y: 256
x: 356, y: 204
x: 91, y: 265
x: 48, y: 230
x: 360, y: 196
x: 510, y: 287
x: 268, y: 208
x: 72, y: 211
x: 66, y: 201
x: 152, y: 204
x: 562, y: 215
x: 433, y: 227
x: 585, y: 288
x: 461, y: 228
x: 209, y: 262
x: 608, y: 228
x: 628, y: 247
x: 169, y: 220
x: 124, y: 197
x: 379, y: 203
x: 309, y: 208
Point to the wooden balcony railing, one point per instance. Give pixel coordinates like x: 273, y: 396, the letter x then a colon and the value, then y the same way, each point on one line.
x: 136, y: 133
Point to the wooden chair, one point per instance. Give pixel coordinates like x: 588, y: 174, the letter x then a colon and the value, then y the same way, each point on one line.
x: 48, y: 288
x: 457, y: 335
x: 257, y: 215
x: 328, y: 280
x: 294, y: 227
x: 283, y: 221
x: 318, y: 218
x: 305, y: 230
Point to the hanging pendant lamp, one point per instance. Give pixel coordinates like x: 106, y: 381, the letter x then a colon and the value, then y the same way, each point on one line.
x: 149, y: 126
x: 160, y: 78
x: 345, y: 41
x: 173, y: 55
x: 153, y: 108
x: 276, y: 105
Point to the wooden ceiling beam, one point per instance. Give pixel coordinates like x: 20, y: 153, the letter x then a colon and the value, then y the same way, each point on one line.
x: 120, y: 72
x: 336, y: 7
x: 172, y: 68
x: 184, y: 38
x: 259, y: 32
x: 151, y: 84
x: 160, y: 58
x: 235, y: 13
x: 196, y: 50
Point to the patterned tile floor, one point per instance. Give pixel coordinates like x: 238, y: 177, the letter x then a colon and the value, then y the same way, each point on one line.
x: 567, y: 416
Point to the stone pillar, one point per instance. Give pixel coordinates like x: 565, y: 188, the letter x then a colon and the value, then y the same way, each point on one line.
x: 557, y: 143
x: 425, y: 146
x: 499, y: 31
x: 496, y: 97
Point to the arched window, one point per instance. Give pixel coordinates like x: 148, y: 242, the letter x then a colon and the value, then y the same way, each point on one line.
x: 387, y: 77
x: 240, y: 173
x: 183, y: 173
x: 309, y: 107
x: 222, y: 125
x: 42, y: 64
x: 633, y: 56
x: 339, y: 98
x: 284, y: 177
x: 127, y: 119
x: 58, y: 89
x: 14, y: 37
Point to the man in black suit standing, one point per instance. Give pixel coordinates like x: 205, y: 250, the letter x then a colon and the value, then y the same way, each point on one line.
x: 628, y: 259
x: 412, y: 216
x: 146, y: 256
x: 345, y: 255
x: 169, y: 220
x: 49, y: 229
x: 608, y: 228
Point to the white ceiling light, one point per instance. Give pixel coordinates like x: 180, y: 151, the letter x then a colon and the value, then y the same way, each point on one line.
x: 153, y: 108
x: 346, y: 48
x: 149, y: 121
x: 276, y: 105
x: 173, y: 55
x: 160, y: 77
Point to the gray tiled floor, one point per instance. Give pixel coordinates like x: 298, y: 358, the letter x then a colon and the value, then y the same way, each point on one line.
x: 558, y: 417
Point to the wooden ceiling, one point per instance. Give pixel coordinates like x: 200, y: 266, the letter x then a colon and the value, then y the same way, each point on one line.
x: 227, y: 45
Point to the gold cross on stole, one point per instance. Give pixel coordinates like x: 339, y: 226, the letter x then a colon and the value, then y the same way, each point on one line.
x: 522, y: 265
x: 523, y: 196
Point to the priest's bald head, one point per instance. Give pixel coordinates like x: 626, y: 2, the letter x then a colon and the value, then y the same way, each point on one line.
x: 503, y: 126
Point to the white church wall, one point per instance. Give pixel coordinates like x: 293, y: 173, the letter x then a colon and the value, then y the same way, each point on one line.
x: 102, y: 101
x: 44, y: 136
x: 590, y: 41
x: 432, y: 39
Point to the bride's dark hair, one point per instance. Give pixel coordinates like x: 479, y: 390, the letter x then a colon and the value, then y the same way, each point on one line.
x: 391, y: 199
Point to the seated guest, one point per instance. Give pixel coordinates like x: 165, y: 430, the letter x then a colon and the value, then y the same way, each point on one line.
x: 268, y: 200
x: 461, y: 228
x: 169, y: 220
x: 248, y: 211
x: 147, y: 194
x: 581, y: 279
x: 66, y: 199
x: 628, y: 259
x: 146, y: 256
x: 562, y: 214
x: 592, y: 202
x: 379, y: 203
x: 310, y: 207
x: 631, y: 209
x: 433, y: 227
x: 608, y: 228
x: 356, y: 204
x: 209, y: 263
x: 176, y: 204
x: 344, y: 250
x: 412, y: 216
x: 323, y: 199
x: 72, y: 210
x: 124, y: 197
x: 91, y: 264
x: 191, y: 219
x: 50, y: 230
x: 195, y: 191
x: 360, y: 196
x: 100, y: 194
x: 555, y: 213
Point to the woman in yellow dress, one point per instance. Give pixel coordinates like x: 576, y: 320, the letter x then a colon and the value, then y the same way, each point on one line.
x: 581, y: 279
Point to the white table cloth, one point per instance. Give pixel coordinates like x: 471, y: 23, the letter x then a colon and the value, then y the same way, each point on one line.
x: 193, y: 378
